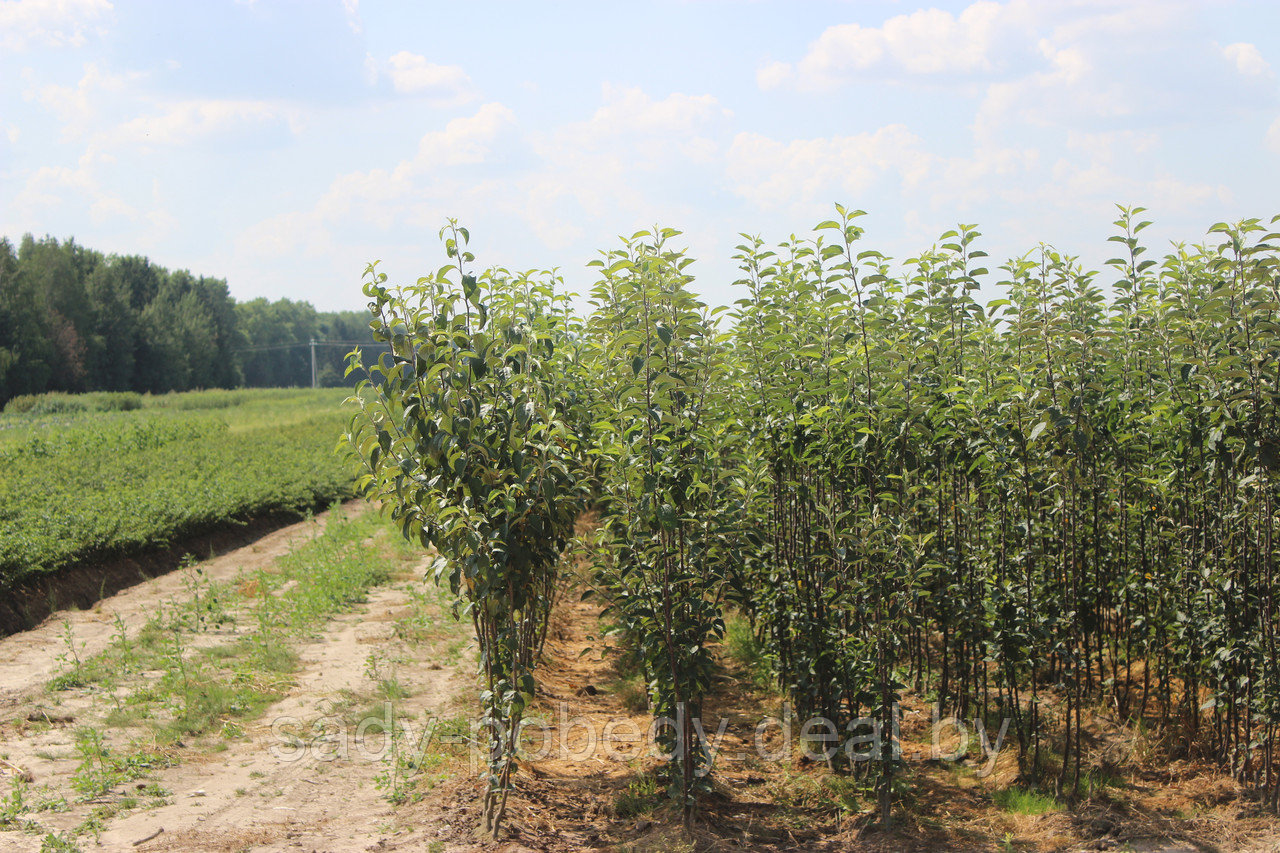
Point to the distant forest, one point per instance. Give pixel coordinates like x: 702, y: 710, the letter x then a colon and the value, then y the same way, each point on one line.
x: 73, y: 319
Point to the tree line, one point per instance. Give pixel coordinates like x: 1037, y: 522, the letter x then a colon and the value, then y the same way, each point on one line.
x: 73, y: 319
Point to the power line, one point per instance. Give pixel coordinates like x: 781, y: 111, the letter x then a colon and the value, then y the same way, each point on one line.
x: 312, y: 344
x: 317, y: 343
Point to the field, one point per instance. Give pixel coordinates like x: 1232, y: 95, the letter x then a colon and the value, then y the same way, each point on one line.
x: 90, y: 485
x: 857, y: 564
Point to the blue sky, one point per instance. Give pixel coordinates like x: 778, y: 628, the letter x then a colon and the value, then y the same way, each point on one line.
x: 283, y: 145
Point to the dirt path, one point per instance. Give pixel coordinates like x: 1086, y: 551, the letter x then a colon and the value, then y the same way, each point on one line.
x: 265, y: 795
x: 30, y: 658
x: 310, y: 772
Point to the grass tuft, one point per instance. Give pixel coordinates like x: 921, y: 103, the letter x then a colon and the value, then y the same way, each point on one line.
x: 1025, y: 801
x: 744, y: 648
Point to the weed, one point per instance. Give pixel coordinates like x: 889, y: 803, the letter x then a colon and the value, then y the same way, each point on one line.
x: 120, y: 640
x: 58, y: 843
x: 208, y: 599
x: 124, y: 717
x: 798, y: 793
x: 96, y: 774
x: 382, y: 672
x: 70, y: 656
x: 44, y: 799
x: 12, y: 806
x: 212, y: 690
x: 1097, y: 780
x: 101, y: 770
x: 93, y: 824
x: 1025, y: 801
x: 643, y: 794
x: 395, y: 777
x: 421, y: 624
x: 96, y: 821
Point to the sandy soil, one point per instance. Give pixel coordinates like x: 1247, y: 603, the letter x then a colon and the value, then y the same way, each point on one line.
x: 30, y: 658
x: 298, y: 779
x: 588, y: 800
x: 265, y: 795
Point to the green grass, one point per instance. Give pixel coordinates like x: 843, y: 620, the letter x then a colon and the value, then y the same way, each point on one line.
x: 1025, y: 802
x: 57, y: 403
x: 799, y: 795
x: 744, y: 648
x: 210, y: 690
x: 88, y: 484
x: 1096, y: 782
x: 207, y: 693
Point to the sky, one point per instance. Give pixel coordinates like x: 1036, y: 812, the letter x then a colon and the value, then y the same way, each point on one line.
x: 285, y: 145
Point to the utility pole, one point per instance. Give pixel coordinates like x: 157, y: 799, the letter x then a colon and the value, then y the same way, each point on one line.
x: 313, y: 364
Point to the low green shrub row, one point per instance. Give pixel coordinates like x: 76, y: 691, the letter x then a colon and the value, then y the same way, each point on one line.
x: 56, y: 403
x: 111, y: 483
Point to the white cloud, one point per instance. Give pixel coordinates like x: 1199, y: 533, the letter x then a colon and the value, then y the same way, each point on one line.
x: 186, y: 121
x: 965, y: 182
x: 463, y: 140
x: 776, y: 174
x: 42, y: 188
x: 1273, y: 136
x: 54, y: 187
x: 1096, y: 64
x: 1109, y: 146
x: 612, y: 166
x: 925, y: 42
x: 352, y: 8
x: 294, y: 233
x: 109, y: 208
x: 1067, y: 88
x: 48, y: 23
x: 545, y: 204
x: 633, y: 131
x: 1087, y: 64
x: 618, y: 163
x: 1246, y: 58
x: 76, y: 107
x: 1095, y: 187
x: 1143, y: 20
x: 629, y: 110
x: 414, y: 190
x: 412, y: 74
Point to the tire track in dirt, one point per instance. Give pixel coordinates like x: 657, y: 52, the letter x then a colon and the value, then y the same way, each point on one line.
x: 265, y: 795
x: 254, y: 791
x: 30, y: 658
